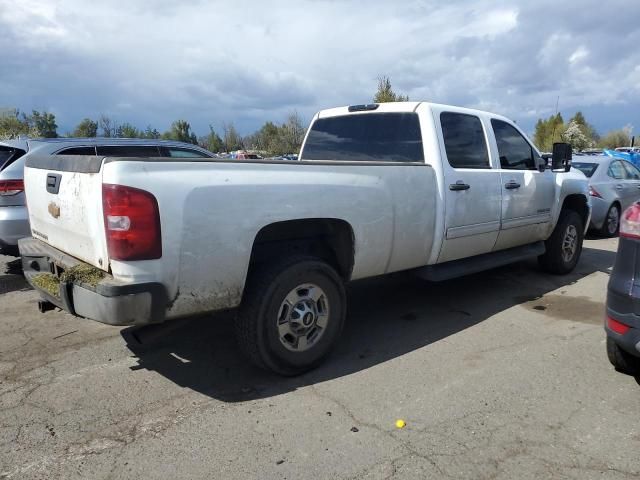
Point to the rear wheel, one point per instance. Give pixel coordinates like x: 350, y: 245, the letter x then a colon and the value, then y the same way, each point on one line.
x: 564, y: 246
x: 291, y: 315
x: 621, y: 360
x: 611, y: 223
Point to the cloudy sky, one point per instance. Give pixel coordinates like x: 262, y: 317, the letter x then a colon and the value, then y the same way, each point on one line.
x: 149, y: 62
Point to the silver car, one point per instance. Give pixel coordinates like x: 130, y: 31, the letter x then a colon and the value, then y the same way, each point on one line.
x: 14, y: 220
x: 614, y: 184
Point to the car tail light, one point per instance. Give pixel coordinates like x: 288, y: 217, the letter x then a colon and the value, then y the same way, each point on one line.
x: 11, y: 187
x: 132, y: 223
x: 617, y: 326
x: 593, y: 192
x: 630, y: 223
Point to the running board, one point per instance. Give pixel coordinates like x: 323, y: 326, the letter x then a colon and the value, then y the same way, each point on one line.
x: 479, y: 263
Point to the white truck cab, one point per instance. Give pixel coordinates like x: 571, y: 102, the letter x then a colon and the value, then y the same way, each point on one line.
x: 440, y: 190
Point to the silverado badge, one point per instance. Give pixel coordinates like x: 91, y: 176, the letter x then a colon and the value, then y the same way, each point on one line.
x: 54, y: 210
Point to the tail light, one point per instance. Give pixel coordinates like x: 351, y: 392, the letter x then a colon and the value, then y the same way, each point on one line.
x: 617, y: 326
x: 132, y: 223
x: 11, y: 187
x: 593, y: 192
x: 630, y: 223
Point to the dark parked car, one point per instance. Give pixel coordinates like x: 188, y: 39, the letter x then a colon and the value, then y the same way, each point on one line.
x: 623, y: 297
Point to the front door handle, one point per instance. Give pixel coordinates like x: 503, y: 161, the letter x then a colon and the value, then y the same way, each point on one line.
x: 511, y: 185
x: 459, y: 185
x: 619, y: 187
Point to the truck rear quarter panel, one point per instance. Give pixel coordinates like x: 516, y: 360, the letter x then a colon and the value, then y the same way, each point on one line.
x: 212, y: 211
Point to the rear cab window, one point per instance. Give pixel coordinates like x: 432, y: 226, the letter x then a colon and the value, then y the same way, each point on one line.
x: 369, y: 137
x: 464, y: 140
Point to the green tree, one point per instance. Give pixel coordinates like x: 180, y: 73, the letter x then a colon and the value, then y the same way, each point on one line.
x: 86, y: 128
x: 231, y: 138
x: 386, y: 94
x: 181, y: 131
x: 211, y: 141
x: 108, y: 126
x: 548, y: 131
x: 586, y: 128
x: 11, y: 126
x: 615, y: 138
x: 126, y: 130
x: 41, y: 124
x: 151, y: 133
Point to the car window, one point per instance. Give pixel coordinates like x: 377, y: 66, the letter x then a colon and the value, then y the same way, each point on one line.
x: 78, y: 151
x: 378, y: 137
x: 513, y: 149
x: 184, y: 153
x: 632, y: 171
x: 128, y: 151
x: 464, y: 140
x: 616, y: 170
x: 587, y: 168
x: 9, y: 155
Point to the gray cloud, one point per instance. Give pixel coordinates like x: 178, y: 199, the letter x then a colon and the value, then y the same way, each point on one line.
x: 153, y: 61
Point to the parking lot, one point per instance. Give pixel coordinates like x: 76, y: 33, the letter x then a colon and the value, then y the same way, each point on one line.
x: 498, y: 375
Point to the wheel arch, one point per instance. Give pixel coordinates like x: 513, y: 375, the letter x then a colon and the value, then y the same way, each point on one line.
x: 330, y: 239
x: 579, y: 204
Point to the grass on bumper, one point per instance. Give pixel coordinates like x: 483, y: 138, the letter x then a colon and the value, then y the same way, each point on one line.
x: 83, y: 273
x: 47, y: 282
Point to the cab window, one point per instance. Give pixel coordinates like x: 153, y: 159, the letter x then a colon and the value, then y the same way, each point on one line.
x: 184, y: 153
x: 78, y: 151
x: 513, y: 149
x: 464, y: 140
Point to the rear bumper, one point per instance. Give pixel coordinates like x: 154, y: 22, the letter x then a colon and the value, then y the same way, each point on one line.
x: 14, y: 225
x: 107, y: 301
x: 623, y: 296
x: 599, y: 209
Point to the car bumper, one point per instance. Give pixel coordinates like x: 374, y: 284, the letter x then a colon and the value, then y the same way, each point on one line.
x: 623, y: 296
x: 107, y: 301
x: 14, y: 225
x: 599, y: 209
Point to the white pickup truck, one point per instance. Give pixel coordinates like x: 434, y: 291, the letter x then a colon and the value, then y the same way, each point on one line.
x: 440, y: 190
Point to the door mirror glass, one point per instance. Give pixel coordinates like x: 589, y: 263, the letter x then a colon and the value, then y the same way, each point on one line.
x: 561, y: 158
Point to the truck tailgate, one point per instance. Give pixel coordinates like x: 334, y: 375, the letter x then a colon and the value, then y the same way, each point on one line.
x: 65, y: 206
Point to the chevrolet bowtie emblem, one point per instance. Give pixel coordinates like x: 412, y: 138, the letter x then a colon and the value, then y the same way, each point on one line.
x: 54, y: 210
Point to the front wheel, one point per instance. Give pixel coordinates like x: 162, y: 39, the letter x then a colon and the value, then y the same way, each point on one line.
x: 291, y: 315
x: 564, y: 246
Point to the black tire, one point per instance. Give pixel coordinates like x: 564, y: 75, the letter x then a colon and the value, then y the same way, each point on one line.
x: 604, y: 231
x: 258, y: 316
x: 554, y: 260
x: 621, y: 360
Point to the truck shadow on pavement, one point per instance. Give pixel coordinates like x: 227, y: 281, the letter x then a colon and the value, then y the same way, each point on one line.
x: 388, y: 317
x: 12, y: 278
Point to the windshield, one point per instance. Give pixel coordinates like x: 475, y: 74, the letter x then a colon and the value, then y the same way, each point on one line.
x: 587, y: 168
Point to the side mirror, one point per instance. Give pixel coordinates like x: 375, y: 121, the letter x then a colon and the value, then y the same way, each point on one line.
x: 561, y: 157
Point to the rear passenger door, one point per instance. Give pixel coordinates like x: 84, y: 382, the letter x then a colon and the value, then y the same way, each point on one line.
x: 472, y: 186
x: 527, y: 193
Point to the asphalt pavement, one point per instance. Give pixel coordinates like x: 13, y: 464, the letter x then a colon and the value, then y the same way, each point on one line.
x: 499, y: 375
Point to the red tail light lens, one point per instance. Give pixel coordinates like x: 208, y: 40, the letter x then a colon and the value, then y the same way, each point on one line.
x: 11, y: 187
x: 617, y: 326
x: 630, y: 223
x: 593, y: 192
x: 132, y: 223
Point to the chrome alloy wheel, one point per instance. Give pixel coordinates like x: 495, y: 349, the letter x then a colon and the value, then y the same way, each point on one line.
x: 302, y: 317
x: 569, y: 243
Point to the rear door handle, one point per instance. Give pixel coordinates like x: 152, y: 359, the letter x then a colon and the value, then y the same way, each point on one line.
x: 459, y: 186
x: 511, y: 185
x: 619, y: 187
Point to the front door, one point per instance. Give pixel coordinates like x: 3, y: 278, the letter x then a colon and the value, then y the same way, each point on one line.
x: 527, y: 193
x: 472, y: 187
